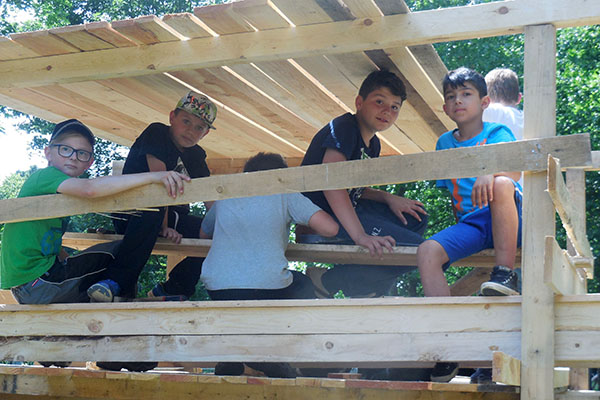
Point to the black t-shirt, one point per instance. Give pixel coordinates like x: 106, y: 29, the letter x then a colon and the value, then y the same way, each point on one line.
x: 156, y: 140
x: 341, y: 134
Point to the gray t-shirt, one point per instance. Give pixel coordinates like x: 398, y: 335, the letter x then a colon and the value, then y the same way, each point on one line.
x: 250, y: 236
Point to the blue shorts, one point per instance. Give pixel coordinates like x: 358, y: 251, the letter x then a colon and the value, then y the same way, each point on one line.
x: 473, y: 233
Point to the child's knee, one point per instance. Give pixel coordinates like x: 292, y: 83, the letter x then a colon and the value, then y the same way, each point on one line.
x: 503, y: 186
x: 432, y: 253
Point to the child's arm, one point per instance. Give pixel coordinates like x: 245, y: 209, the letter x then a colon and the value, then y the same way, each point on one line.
x: 108, y: 185
x: 155, y: 165
x: 483, y: 188
x: 340, y: 203
x: 323, y: 224
x: 397, y: 204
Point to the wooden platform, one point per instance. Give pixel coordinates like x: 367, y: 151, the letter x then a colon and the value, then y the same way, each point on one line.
x: 71, y: 383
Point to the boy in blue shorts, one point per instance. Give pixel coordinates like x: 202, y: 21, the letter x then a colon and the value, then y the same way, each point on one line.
x: 488, y: 207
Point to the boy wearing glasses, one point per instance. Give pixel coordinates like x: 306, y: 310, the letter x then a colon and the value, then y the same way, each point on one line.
x: 163, y: 147
x: 33, y: 263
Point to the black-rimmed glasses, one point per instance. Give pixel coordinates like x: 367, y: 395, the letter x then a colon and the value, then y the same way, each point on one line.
x: 67, y: 151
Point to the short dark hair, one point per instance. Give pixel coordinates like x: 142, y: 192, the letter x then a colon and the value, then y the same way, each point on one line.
x: 459, y: 76
x: 382, y: 78
x: 503, y: 86
x: 264, y: 161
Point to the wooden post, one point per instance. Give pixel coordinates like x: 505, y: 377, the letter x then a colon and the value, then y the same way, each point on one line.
x: 578, y: 377
x: 537, y: 341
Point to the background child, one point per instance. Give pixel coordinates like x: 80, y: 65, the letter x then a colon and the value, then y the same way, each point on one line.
x: 370, y: 218
x: 162, y: 147
x: 33, y: 264
x: 488, y: 207
x: 247, y: 260
x: 505, y: 96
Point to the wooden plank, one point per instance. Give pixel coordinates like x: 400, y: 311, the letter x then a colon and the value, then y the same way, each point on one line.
x: 28, y: 383
x: 43, y: 43
x: 559, y: 273
x: 147, y: 30
x: 348, y: 348
x: 261, y: 14
x: 471, y: 282
x: 538, y: 218
x: 225, y: 87
x: 6, y: 297
x: 187, y: 25
x: 11, y: 50
x: 80, y: 38
x: 295, y: 252
x: 497, y: 18
x: 506, y: 369
x: 390, y: 315
x: 302, y: 12
x: 106, y: 32
x: 222, y: 19
x: 522, y: 155
x: 573, y: 219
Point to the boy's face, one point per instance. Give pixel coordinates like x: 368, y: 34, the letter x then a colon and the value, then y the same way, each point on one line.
x: 70, y: 165
x: 379, y: 110
x: 463, y: 104
x: 186, y: 129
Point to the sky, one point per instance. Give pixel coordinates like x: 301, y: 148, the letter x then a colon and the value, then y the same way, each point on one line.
x: 14, y: 152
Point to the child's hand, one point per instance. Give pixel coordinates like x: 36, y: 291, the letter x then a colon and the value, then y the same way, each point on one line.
x: 173, y: 182
x: 400, y: 205
x: 171, y: 234
x: 483, y: 191
x: 376, y: 244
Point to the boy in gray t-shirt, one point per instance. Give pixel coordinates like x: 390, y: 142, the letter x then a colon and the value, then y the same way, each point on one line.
x: 250, y: 236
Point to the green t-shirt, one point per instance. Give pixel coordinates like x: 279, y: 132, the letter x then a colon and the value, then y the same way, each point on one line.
x: 30, y: 248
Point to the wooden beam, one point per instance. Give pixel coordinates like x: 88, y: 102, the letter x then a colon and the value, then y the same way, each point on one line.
x: 323, y: 253
x: 537, y: 340
x: 559, y: 273
x: 572, y: 217
x: 456, y: 163
x: 471, y: 282
x: 388, y: 315
x: 506, y: 369
x: 38, y: 383
x: 482, y: 20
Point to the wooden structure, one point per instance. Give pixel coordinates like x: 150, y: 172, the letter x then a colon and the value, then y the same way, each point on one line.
x: 280, y: 69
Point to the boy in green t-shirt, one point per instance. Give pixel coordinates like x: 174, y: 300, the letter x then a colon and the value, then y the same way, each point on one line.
x: 33, y: 264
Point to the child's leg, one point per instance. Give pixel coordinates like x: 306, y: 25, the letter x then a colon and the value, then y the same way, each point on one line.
x: 431, y: 256
x: 374, y: 280
x: 505, y: 221
x: 186, y: 274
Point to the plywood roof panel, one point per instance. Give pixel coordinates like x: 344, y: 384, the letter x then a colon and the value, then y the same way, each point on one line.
x: 263, y: 106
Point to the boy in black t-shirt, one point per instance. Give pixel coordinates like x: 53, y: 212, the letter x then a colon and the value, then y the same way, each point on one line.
x: 163, y: 148
x: 368, y: 217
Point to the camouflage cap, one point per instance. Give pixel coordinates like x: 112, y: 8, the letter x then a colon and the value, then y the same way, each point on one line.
x: 200, y: 106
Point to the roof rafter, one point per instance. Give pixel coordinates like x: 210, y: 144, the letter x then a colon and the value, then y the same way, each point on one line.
x: 490, y: 19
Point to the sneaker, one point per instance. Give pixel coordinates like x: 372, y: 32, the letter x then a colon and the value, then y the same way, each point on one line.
x: 104, y: 291
x: 444, y: 372
x: 503, y: 282
x: 159, y: 291
x: 482, y: 376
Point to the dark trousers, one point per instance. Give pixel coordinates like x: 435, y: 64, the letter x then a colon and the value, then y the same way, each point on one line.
x: 300, y: 288
x: 140, y: 232
x: 363, y: 280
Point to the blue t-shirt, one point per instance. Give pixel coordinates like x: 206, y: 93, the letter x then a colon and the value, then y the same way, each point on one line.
x: 461, y: 188
x: 341, y: 134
